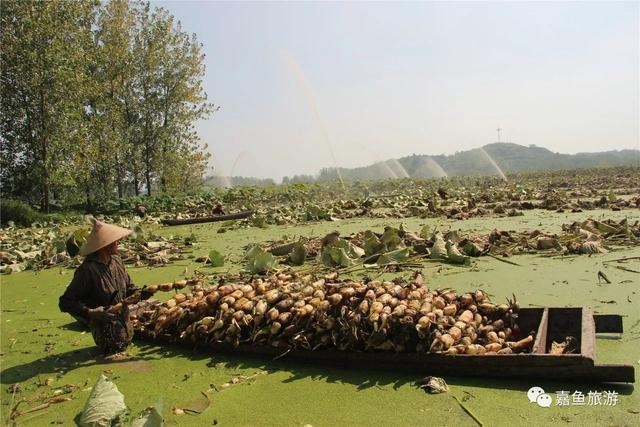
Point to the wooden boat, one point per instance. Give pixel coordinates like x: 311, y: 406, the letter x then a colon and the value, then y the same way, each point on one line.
x: 551, y: 324
x: 204, y: 219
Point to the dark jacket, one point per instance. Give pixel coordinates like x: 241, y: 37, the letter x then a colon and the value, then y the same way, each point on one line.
x: 96, y: 284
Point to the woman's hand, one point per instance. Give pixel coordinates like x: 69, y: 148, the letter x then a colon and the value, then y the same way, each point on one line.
x: 100, y: 315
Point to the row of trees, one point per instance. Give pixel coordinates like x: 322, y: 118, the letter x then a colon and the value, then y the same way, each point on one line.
x: 99, y: 101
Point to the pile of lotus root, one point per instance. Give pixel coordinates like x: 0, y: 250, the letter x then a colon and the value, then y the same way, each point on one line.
x: 287, y: 311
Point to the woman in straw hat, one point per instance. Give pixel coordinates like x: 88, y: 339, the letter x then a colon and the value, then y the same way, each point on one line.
x: 99, y: 282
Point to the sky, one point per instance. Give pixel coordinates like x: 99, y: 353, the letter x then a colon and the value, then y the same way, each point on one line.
x: 304, y: 86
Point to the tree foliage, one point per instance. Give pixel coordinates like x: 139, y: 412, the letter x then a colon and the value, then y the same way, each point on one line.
x: 99, y: 101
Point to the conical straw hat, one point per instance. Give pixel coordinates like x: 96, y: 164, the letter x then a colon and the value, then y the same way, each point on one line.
x: 102, y: 235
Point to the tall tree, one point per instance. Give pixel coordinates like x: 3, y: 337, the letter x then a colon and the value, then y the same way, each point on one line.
x: 172, y: 98
x: 98, y: 98
x: 43, y: 83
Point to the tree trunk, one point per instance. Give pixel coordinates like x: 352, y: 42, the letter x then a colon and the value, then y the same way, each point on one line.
x: 118, y: 177
x: 147, y: 164
x: 163, y: 178
x: 45, y: 171
x: 136, y: 184
x: 88, y: 205
x: 148, y: 179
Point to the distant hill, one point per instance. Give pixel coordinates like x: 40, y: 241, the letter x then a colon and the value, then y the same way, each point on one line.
x: 507, y: 156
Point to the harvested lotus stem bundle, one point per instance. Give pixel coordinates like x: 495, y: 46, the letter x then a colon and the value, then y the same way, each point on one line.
x: 288, y: 311
x: 152, y: 289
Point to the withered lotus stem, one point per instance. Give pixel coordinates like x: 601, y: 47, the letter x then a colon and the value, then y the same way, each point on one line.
x: 460, y: 325
x: 285, y: 304
x: 466, y: 316
x: 466, y: 300
x: 334, y: 299
x: 455, y: 333
x: 202, y: 306
x: 449, y: 310
x: 261, y: 307
x: 347, y: 292
x: 217, y: 325
x: 290, y: 330
x: 151, y: 288
x: 452, y: 351
x: 247, y: 306
x: 414, y: 304
x: 492, y: 337
x: 522, y: 344
x: 364, y: 306
x: 285, y: 317
x: 493, y: 346
x: 385, y: 298
x: 207, y: 321
x: 213, y: 298
x: 324, y: 305
x: 424, y: 322
x: 233, y: 329
x: 415, y: 295
x: 449, y: 296
x: 273, y: 313
x: 396, y: 290
x: 407, y: 320
x: 475, y: 349
x: 315, y: 302
x: 426, y: 308
x: 486, y: 308
x: 228, y: 299
x: 275, y: 328
x: 439, y: 303
x: 165, y: 287
x: 179, y: 284
x: 447, y: 340
x: 399, y: 310
x: 477, y: 319
x: 272, y: 296
x: 225, y: 289
x: 498, y: 324
x: 479, y: 296
x: 376, y: 307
